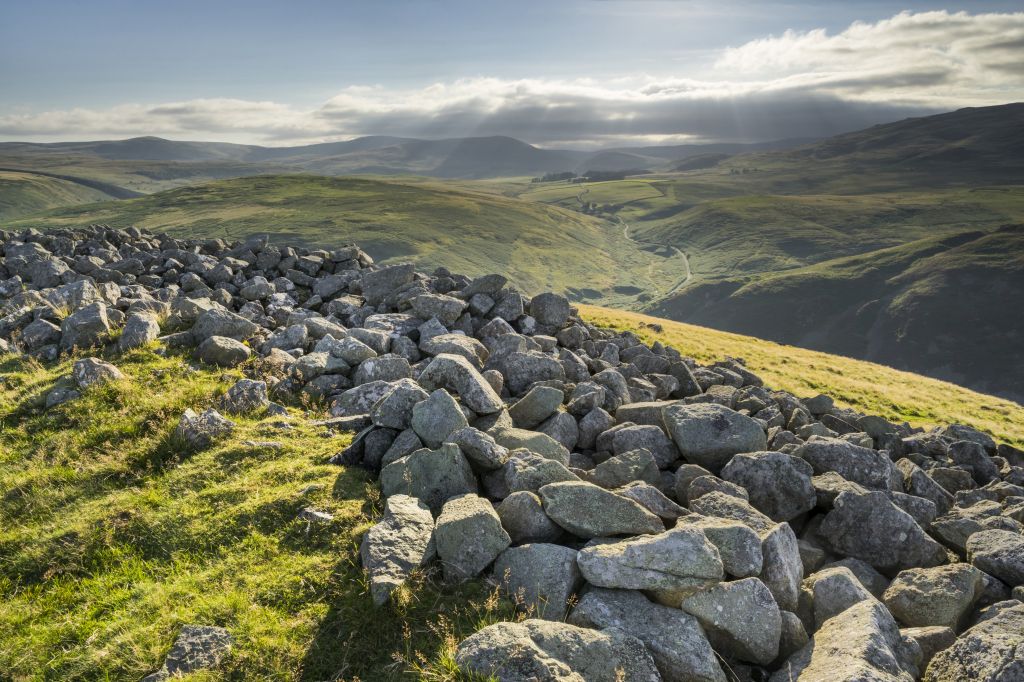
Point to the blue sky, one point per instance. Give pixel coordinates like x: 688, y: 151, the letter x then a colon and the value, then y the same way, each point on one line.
x: 577, y: 73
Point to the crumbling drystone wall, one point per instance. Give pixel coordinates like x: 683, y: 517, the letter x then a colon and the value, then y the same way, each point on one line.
x: 654, y: 519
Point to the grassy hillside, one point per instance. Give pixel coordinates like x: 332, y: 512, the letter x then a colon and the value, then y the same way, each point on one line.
x: 938, y: 306
x: 539, y: 247
x: 112, y: 538
x: 865, y: 386
x: 24, y: 193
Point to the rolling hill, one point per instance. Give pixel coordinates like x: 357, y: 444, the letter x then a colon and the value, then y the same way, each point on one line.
x: 427, y: 222
x: 24, y: 192
x: 151, y: 164
x: 947, y: 307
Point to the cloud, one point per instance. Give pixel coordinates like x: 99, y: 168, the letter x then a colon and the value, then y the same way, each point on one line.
x: 798, y: 84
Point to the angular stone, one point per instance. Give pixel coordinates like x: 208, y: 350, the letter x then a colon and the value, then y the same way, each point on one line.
x: 523, y: 518
x: 245, y: 395
x: 652, y: 499
x: 85, y: 328
x: 437, y: 418
x: 672, y: 565
x: 999, y: 553
x: 92, y: 371
x: 538, y: 443
x: 779, y: 485
x: 220, y: 322
x: 871, y: 528
x: 222, y: 351
x: 828, y: 593
x: 198, y: 647
x: 636, y: 465
x: 482, y: 451
x: 544, y: 650
x: 539, y: 403
x: 395, y: 409
x: 738, y: 546
x: 469, y: 536
x: 867, y: 467
x: 199, y: 431
x: 589, y: 511
x: 861, y: 643
x: 539, y: 578
x: 740, y: 618
x: 991, y: 651
x: 455, y: 373
x: 401, y: 542
x: 433, y: 476
x: 937, y: 596
x: 709, y: 435
x: 139, y: 329
x: 675, y: 639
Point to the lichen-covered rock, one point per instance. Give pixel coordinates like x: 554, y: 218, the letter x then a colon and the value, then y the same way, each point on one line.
x: 870, y: 527
x: 778, y: 484
x: 433, y: 476
x: 401, y: 542
x: 199, y: 431
x: 469, y: 536
x: 937, y: 596
x: 523, y: 518
x: 741, y: 619
x: 437, y: 418
x: 671, y: 565
x: 222, y: 351
x: 991, y: 651
x: 861, y: 643
x: 589, y: 511
x: 999, y: 553
x: 675, y: 639
x: 709, y: 435
x: 245, y: 395
x: 198, y: 647
x: 545, y: 651
x: 539, y: 577
x: 91, y: 371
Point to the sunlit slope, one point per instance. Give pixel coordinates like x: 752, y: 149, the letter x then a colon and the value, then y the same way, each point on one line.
x: 865, y: 386
x: 24, y: 193
x: 432, y: 224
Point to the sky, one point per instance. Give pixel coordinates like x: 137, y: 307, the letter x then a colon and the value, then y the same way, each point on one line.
x: 557, y: 73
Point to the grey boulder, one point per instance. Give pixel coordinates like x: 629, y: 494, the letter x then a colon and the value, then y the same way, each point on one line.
x: 401, y: 542
x: 709, y: 434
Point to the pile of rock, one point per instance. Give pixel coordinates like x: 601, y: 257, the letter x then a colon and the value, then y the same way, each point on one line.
x: 654, y: 518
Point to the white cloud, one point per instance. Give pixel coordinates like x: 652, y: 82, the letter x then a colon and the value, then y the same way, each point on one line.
x: 797, y: 84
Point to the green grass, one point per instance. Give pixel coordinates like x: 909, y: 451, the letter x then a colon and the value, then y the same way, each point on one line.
x: 24, y: 193
x: 112, y: 537
x: 865, y: 386
x: 430, y: 223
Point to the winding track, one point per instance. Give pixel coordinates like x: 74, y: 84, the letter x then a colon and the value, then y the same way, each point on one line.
x: 686, y: 261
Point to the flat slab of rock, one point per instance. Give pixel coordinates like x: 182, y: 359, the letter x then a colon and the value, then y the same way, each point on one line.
x: 400, y: 543
x: 675, y: 639
x: 544, y: 650
x: 672, y: 565
x: 590, y: 511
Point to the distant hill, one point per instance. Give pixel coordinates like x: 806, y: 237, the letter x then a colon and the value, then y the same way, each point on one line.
x: 427, y: 221
x: 946, y: 307
x: 972, y: 145
x: 151, y: 164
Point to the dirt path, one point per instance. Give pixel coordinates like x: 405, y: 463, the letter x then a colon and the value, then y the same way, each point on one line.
x: 686, y: 261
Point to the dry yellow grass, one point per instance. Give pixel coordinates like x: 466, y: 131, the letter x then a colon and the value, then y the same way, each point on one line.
x: 864, y: 386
